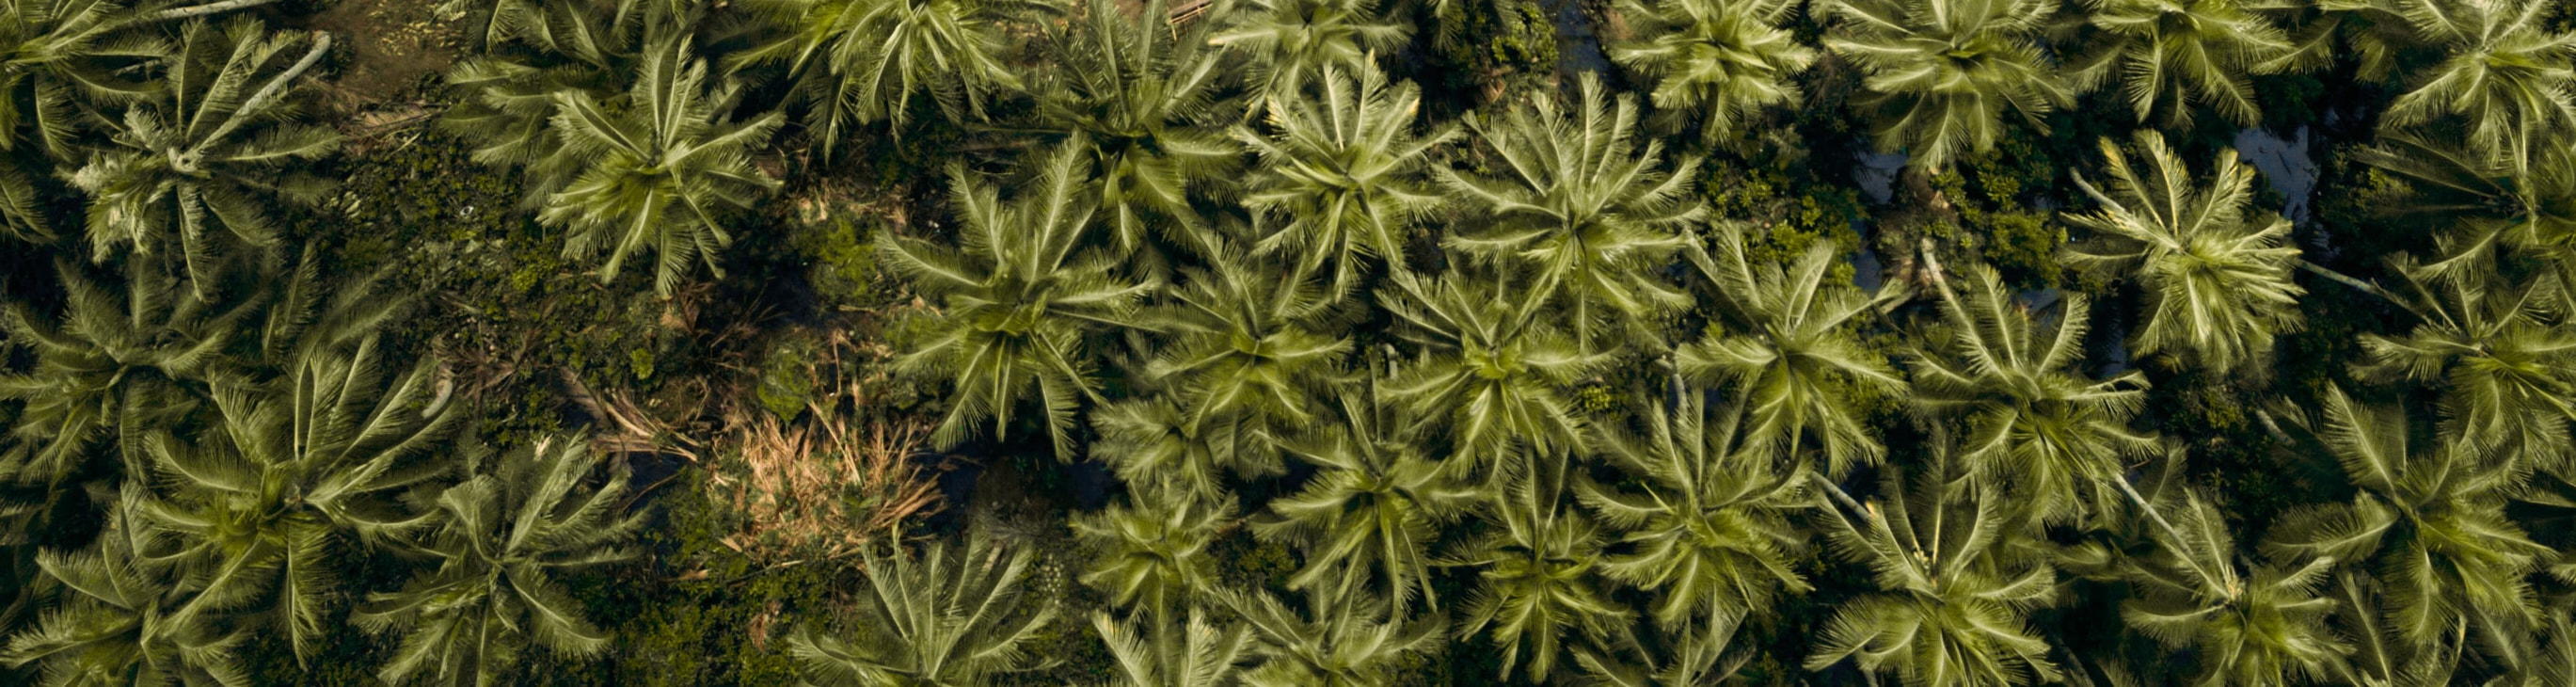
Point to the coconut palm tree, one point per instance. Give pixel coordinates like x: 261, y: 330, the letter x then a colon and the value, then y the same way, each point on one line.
x: 2263, y: 628
x: 2528, y: 204
x: 2432, y: 518
x: 502, y: 539
x: 205, y: 158
x: 2217, y: 281
x: 1151, y: 553
x: 1250, y: 351
x: 1338, y: 175
x: 264, y: 498
x: 1289, y: 43
x: 1956, y: 583
x: 2035, y: 426
x: 68, y: 61
x: 1174, y: 653
x: 1536, y: 575
x: 1492, y: 364
x: 1341, y: 640
x: 1721, y: 63
x: 857, y: 62
x: 1943, y: 74
x: 1581, y: 210
x: 1018, y: 299
x: 1712, y: 534
x: 123, y: 617
x: 1784, y: 340
x: 2505, y: 364
x: 1133, y: 90
x: 535, y: 52
x: 656, y: 166
x: 2379, y: 658
x: 955, y: 616
x: 116, y: 364
x: 1152, y: 445
x: 2507, y: 76
x: 1696, y: 654
x: 2173, y: 55
x: 1368, y: 517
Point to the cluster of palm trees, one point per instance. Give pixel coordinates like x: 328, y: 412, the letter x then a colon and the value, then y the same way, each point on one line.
x: 1521, y: 392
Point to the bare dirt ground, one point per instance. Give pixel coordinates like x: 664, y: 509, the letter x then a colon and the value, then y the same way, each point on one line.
x: 391, y: 44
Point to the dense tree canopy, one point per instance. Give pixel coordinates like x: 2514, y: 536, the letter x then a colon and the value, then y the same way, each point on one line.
x: 1281, y: 343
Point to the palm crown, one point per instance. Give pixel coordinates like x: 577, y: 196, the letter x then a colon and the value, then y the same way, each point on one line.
x: 1582, y: 210
x: 503, y: 539
x: 2218, y: 282
x: 856, y: 62
x: 198, y: 163
x: 1338, y: 175
x: 2173, y: 54
x: 1944, y: 73
x: 658, y: 165
x: 1785, y: 344
x: 1019, y: 300
x: 1719, y: 62
x: 2031, y: 421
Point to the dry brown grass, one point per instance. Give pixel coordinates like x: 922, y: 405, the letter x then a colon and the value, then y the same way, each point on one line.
x: 823, y: 484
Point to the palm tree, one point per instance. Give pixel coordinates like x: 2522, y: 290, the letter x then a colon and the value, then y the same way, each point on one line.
x: 501, y: 539
x: 1944, y: 73
x: 1580, y: 209
x: 2174, y: 54
x: 1955, y: 587
x: 205, y: 157
x: 2218, y: 282
x: 1721, y: 63
x: 116, y: 363
x: 2507, y: 77
x: 1290, y: 42
x: 2379, y: 658
x: 1151, y: 553
x: 1696, y: 654
x: 122, y: 618
x: 1251, y: 351
x: 2506, y: 368
x: 1153, y: 446
x: 2267, y: 628
x: 1368, y: 517
x: 857, y: 62
x: 262, y: 499
x: 1535, y: 577
x: 955, y: 616
x: 2034, y: 424
x: 67, y: 60
x: 535, y: 52
x: 1784, y: 342
x: 1018, y: 301
x: 1342, y: 640
x: 1173, y: 653
x: 1712, y: 535
x: 1495, y: 367
x: 656, y: 165
x: 2434, y: 519
x: 2526, y: 204
x: 1338, y: 174
x: 1131, y: 91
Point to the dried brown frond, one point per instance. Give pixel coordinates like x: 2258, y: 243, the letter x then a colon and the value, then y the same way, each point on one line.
x: 821, y: 487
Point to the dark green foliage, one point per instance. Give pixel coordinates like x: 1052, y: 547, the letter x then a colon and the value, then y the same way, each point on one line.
x: 1252, y: 362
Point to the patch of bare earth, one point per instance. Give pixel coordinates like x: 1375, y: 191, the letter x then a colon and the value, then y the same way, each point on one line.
x: 390, y: 44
